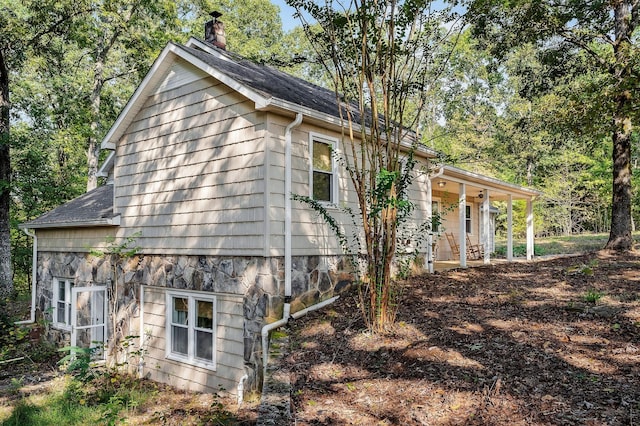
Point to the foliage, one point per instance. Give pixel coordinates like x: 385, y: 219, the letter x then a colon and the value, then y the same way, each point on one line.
x: 381, y: 57
x: 591, y: 50
x: 592, y: 296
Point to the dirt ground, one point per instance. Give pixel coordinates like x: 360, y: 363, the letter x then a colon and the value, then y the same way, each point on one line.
x: 549, y: 342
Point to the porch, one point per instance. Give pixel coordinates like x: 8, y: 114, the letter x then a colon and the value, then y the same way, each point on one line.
x: 461, y: 200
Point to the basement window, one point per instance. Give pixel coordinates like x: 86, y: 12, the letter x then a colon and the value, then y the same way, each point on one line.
x: 62, y: 303
x: 191, y: 328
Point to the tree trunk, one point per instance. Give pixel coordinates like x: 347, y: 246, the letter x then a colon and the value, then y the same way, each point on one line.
x: 6, y: 276
x: 620, y: 236
x: 93, y: 150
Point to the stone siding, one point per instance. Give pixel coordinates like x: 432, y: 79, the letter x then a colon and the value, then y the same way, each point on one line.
x: 259, y: 280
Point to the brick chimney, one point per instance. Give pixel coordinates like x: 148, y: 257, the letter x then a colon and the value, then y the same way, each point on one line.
x: 214, y: 31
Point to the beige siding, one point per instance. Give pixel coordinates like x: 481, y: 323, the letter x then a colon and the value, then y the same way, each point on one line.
x: 451, y: 222
x: 80, y: 240
x: 190, y: 170
x: 229, y: 346
x: 310, y: 235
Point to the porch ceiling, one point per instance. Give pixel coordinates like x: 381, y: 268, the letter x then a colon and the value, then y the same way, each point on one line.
x: 476, y: 184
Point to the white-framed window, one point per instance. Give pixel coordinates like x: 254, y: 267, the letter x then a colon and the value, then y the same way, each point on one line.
x: 468, y: 220
x: 62, y: 303
x: 323, y: 176
x: 191, y: 328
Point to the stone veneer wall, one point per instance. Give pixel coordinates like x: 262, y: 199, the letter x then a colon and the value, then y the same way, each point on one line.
x: 259, y: 280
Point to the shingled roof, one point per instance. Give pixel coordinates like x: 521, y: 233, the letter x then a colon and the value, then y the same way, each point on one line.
x: 269, y: 82
x: 94, y: 208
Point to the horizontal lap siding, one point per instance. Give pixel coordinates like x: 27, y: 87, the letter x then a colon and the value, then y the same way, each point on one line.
x: 80, y: 240
x: 190, y: 170
x: 310, y: 234
x: 229, y: 346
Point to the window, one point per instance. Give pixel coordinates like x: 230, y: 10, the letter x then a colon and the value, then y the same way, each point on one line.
x: 323, y: 173
x: 468, y: 222
x: 191, y: 332
x: 62, y: 302
x: 436, y: 218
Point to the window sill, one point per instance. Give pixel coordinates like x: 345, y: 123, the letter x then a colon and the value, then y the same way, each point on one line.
x: 195, y: 363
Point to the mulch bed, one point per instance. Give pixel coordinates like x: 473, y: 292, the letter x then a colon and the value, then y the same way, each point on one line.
x: 547, y: 342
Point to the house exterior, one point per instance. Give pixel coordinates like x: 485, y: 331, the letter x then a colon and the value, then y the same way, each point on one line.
x: 203, y: 159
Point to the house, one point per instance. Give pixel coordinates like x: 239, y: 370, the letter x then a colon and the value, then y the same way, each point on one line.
x: 203, y: 159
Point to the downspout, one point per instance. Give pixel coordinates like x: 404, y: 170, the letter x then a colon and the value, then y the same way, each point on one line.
x: 287, y: 242
x: 34, y: 269
x: 430, y: 259
x: 240, y: 389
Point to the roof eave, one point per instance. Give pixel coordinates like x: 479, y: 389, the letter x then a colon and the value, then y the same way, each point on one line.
x: 113, y: 221
x: 276, y: 104
x: 496, y: 184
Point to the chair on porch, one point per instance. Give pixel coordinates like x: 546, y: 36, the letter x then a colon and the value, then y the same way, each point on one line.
x: 474, y: 251
x: 455, y: 248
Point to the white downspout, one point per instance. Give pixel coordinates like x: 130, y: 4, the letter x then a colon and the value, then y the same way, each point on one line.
x: 430, y: 260
x: 287, y: 243
x: 240, y: 389
x: 34, y: 269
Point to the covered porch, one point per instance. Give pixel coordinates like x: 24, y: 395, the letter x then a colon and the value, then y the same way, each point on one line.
x: 462, y: 201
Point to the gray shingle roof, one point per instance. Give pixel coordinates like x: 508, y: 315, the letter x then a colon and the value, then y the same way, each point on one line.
x: 271, y: 82
x: 94, y: 208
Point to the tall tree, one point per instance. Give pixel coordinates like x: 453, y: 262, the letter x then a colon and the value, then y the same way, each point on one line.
x: 118, y: 40
x: 19, y: 35
x: 6, y: 278
x: 381, y: 56
x: 604, y: 30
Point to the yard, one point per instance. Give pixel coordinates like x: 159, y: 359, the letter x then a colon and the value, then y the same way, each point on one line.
x: 549, y: 342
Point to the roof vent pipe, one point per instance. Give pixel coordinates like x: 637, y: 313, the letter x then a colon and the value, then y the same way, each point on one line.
x: 214, y: 31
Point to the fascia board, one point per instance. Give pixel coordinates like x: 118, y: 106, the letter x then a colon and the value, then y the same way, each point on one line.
x: 114, y: 221
x: 107, y: 165
x: 464, y: 176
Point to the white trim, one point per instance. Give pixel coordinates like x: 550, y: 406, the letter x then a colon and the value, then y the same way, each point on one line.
x: 74, y: 317
x: 107, y: 165
x: 333, y: 143
x: 469, y: 229
x: 192, y: 297
x: 495, y: 185
x: 462, y: 225
x: 510, y: 228
x: 530, y: 234
x: 56, y: 323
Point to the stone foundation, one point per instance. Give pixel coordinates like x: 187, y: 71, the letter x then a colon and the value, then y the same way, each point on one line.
x: 259, y: 280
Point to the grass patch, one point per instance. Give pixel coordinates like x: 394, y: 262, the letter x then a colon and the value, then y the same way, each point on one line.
x: 75, y: 403
x: 582, y: 243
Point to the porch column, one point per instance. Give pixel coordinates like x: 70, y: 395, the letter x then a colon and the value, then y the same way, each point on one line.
x: 485, y: 227
x: 429, y: 207
x: 462, y: 217
x: 510, y: 228
x: 529, y: 229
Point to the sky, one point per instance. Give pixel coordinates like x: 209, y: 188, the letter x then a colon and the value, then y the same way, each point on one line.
x: 289, y: 22
x: 286, y: 14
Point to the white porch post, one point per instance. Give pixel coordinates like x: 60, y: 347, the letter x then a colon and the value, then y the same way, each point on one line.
x: 529, y: 229
x: 429, y: 256
x: 510, y: 228
x: 485, y: 227
x: 462, y: 240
